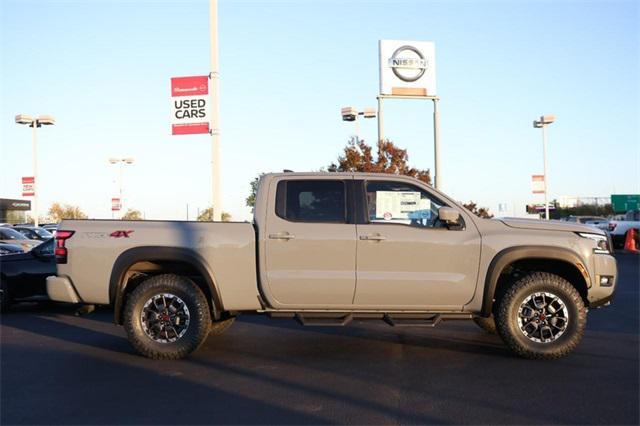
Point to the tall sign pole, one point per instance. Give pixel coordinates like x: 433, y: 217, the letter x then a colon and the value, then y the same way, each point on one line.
x: 436, y: 145
x: 215, y: 111
x: 34, y: 143
x: 408, y: 71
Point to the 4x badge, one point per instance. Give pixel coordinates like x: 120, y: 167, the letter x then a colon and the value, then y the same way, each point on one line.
x: 120, y: 234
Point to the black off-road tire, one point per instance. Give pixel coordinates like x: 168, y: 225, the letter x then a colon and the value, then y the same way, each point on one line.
x: 5, y: 298
x: 508, y: 311
x: 487, y: 324
x: 199, y: 317
x: 219, y: 327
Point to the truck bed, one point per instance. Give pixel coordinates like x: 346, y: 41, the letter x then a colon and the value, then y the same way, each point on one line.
x: 226, y: 249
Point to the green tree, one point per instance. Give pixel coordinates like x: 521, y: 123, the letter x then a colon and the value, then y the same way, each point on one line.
x: 132, y: 214
x: 478, y: 211
x: 207, y: 216
x: 251, y: 199
x: 58, y: 211
x: 358, y: 157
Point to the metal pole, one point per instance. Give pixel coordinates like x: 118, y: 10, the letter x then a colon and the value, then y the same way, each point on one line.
x: 544, y: 153
x: 436, y: 145
x: 34, y: 143
x: 380, y: 120
x: 120, y: 188
x: 215, y: 129
x: 357, y: 122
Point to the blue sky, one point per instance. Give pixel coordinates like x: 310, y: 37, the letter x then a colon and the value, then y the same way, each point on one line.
x: 103, y: 68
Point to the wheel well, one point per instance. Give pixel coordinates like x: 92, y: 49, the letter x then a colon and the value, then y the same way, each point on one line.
x: 563, y: 269
x: 140, y: 271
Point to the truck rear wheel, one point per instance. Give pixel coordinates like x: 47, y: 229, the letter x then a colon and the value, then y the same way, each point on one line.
x: 541, y: 316
x: 167, y: 317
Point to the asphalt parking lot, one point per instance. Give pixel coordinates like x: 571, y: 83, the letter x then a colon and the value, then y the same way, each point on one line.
x: 57, y: 368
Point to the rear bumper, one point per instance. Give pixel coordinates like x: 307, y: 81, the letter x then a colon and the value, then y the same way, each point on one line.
x: 60, y: 289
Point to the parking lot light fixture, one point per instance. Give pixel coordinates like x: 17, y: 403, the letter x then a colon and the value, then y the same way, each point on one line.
x: 351, y: 114
x: 542, y: 123
x: 34, y: 123
x: 121, y: 162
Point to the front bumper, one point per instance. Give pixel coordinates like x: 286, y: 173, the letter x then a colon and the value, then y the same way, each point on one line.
x: 61, y: 290
x: 605, y: 266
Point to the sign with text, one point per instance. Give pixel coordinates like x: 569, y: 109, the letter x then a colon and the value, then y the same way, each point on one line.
x: 407, y: 68
x: 401, y: 205
x: 28, y: 186
x: 622, y: 203
x: 116, y: 205
x: 537, y: 184
x: 189, y: 105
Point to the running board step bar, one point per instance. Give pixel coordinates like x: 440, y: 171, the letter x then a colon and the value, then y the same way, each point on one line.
x: 324, y: 321
x: 397, y: 319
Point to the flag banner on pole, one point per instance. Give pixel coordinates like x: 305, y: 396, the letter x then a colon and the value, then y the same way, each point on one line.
x: 189, y: 105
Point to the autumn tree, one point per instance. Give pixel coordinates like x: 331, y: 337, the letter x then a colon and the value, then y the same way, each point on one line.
x: 132, y: 214
x: 58, y: 211
x: 207, y: 216
x: 478, y: 211
x: 358, y: 157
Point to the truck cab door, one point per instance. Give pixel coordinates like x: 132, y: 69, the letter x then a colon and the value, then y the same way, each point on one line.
x: 310, y: 244
x: 407, y: 258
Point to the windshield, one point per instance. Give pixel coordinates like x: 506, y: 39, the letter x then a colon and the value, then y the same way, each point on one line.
x: 43, y: 233
x: 11, y: 234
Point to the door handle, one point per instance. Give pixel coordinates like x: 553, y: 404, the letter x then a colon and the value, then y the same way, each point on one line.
x: 373, y: 237
x: 282, y: 236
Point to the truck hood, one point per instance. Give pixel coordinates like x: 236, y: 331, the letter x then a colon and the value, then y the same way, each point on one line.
x: 550, y: 225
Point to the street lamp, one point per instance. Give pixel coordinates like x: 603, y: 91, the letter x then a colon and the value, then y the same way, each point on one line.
x: 542, y: 123
x: 121, y: 162
x: 351, y: 114
x: 34, y: 123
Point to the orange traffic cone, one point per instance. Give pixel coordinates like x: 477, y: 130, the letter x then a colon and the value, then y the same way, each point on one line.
x: 630, y: 241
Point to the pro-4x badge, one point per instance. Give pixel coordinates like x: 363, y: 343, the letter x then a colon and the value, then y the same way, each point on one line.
x: 120, y: 234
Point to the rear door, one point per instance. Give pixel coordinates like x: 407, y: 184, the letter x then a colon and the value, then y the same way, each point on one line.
x: 406, y: 258
x: 310, y: 249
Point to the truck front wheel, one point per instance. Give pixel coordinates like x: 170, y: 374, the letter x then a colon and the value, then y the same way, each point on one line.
x: 167, y: 317
x: 541, y: 316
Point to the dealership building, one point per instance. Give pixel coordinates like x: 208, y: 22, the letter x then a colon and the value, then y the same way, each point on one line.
x: 14, y: 211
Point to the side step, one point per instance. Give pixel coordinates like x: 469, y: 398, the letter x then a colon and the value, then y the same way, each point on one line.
x: 324, y: 321
x: 427, y: 321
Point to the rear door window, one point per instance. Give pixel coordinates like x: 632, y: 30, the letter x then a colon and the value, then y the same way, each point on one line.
x: 312, y: 201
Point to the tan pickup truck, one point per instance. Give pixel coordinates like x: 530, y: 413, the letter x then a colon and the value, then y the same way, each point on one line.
x: 327, y: 248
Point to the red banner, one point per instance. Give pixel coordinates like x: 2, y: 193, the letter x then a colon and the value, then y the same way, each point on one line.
x: 28, y: 186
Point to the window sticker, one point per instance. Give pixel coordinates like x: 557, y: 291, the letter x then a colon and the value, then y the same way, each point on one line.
x: 401, y: 205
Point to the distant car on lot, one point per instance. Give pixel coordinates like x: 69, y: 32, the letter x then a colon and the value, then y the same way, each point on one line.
x: 585, y: 219
x: 51, y: 227
x: 34, y: 232
x: 618, y: 228
x: 6, y: 248
x: 11, y: 236
x: 23, y: 275
x: 599, y: 223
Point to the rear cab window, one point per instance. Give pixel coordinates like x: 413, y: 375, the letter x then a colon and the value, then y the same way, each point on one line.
x: 316, y: 201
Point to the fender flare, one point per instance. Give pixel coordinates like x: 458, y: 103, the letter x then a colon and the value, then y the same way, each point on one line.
x: 134, y: 255
x: 507, y: 256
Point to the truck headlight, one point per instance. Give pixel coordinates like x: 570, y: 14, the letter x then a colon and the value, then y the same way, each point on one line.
x: 602, y: 242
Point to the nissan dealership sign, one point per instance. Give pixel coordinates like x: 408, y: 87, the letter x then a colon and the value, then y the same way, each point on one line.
x: 190, y: 105
x: 407, y: 68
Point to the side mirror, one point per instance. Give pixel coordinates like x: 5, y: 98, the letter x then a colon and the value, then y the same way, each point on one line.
x: 448, y: 215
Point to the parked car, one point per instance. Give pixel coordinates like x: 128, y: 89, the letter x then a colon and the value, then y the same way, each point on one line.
x: 23, y: 275
x: 585, y: 219
x: 34, y: 232
x: 11, y: 236
x: 6, y: 248
x: 601, y: 223
x: 618, y: 228
x: 51, y: 227
x: 327, y: 248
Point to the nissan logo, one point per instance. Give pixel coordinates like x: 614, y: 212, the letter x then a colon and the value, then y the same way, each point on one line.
x: 410, y: 67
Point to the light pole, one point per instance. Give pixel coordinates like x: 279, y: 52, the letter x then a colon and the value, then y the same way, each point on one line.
x: 34, y: 123
x: 216, y: 199
x: 544, y: 121
x: 351, y: 114
x: 121, y: 162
